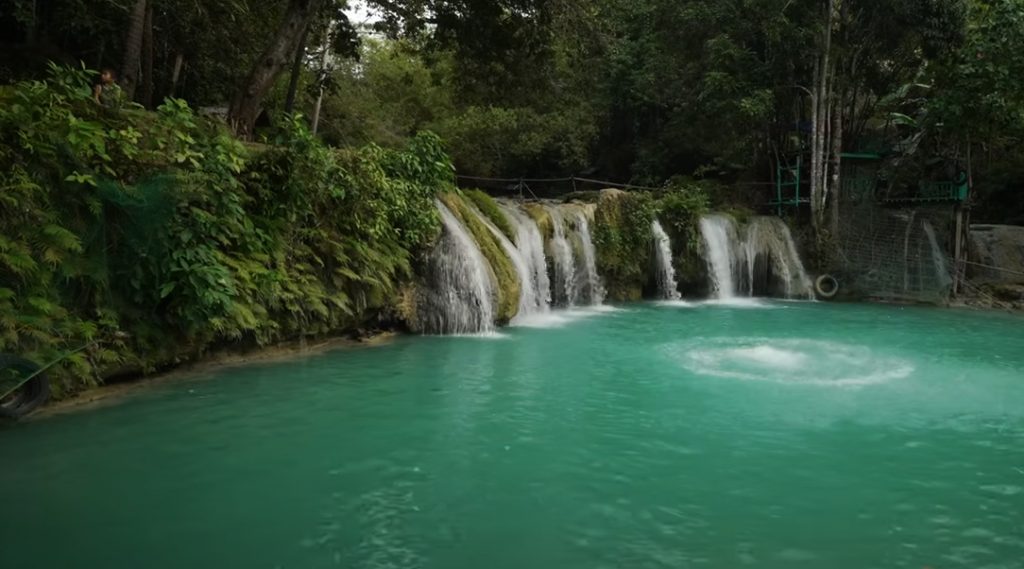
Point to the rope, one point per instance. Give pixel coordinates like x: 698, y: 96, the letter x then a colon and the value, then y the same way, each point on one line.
x: 572, y: 179
x: 993, y: 267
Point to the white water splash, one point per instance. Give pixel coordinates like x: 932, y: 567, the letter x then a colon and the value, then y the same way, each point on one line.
x: 564, y: 262
x: 530, y: 244
x: 719, y: 235
x: 790, y: 361
x: 591, y: 286
x: 528, y: 297
x: 769, y: 250
x: 942, y: 272
x: 668, y: 288
x: 460, y: 295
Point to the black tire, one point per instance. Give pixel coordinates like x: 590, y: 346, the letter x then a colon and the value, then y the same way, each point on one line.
x: 30, y: 395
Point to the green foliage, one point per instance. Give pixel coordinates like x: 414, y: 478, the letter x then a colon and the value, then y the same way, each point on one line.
x: 497, y: 258
x: 680, y: 207
x: 622, y: 237
x: 163, y: 226
x: 489, y: 208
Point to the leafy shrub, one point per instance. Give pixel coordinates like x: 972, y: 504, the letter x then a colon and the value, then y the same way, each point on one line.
x: 680, y: 207
x: 163, y: 226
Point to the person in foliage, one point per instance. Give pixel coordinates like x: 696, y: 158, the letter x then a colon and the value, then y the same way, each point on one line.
x: 106, y: 91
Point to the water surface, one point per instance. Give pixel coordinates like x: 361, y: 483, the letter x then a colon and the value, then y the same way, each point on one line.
x: 664, y: 435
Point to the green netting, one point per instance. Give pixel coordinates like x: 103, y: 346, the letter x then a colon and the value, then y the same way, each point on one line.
x: 128, y: 226
x: 896, y: 253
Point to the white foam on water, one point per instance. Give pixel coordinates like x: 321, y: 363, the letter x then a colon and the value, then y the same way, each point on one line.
x: 676, y: 303
x: 771, y: 357
x: 546, y: 320
x: 478, y: 336
x: 740, y: 302
x: 789, y: 361
x: 561, y: 318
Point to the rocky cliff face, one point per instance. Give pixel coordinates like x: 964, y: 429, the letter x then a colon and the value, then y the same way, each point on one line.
x: 997, y: 263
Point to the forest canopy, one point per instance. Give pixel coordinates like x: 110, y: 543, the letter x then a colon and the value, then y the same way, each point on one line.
x: 629, y: 90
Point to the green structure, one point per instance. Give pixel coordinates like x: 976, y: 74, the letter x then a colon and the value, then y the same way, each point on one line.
x: 860, y: 181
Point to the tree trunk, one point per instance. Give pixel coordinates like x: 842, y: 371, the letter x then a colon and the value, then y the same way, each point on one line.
x: 293, y: 81
x: 834, y: 192
x: 248, y: 101
x: 822, y: 99
x: 322, y: 75
x: 133, y: 49
x: 179, y: 62
x: 815, y: 121
x: 146, y: 98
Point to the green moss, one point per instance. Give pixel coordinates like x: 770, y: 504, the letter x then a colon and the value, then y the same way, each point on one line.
x: 542, y: 217
x: 679, y: 211
x: 489, y: 207
x: 501, y: 264
x: 740, y: 213
x: 622, y: 237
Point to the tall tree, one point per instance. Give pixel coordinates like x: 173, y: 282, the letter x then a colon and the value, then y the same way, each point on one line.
x: 248, y: 101
x: 132, y: 61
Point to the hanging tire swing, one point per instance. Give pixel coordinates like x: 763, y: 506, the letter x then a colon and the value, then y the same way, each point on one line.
x: 826, y: 287
x: 29, y: 394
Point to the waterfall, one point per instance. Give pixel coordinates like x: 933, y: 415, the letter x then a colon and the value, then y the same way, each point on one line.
x: 528, y: 297
x: 668, y: 288
x: 564, y: 263
x: 460, y: 295
x: 530, y: 243
x: 591, y: 289
x: 719, y: 234
x: 764, y: 263
x: 769, y: 251
x: 938, y: 257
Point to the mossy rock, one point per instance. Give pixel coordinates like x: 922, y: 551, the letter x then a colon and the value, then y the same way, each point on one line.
x: 501, y: 265
x: 542, y: 217
x: 622, y: 237
x: 489, y: 208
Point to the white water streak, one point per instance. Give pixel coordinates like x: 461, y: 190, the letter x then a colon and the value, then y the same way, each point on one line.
x: 668, y: 288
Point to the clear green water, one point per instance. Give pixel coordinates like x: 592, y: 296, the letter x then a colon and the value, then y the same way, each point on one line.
x: 790, y: 435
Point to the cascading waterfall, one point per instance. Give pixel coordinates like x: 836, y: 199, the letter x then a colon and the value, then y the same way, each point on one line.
x: 590, y: 285
x: 529, y: 301
x: 668, y: 288
x: 719, y: 235
x: 563, y: 261
x: 764, y: 262
x: 460, y: 296
x: 938, y: 257
x: 530, y: 243
x: 770, y: 251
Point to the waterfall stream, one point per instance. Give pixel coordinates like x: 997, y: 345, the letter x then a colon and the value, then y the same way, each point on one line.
x: 530, y: 244
x: 563, y: 261
x: 590, y: 285
x: 529, y: 300
x: 942, y: 272
x: 764, y: 262
x: 719, y: 235
x: 668, y: 288
x: 460, y: 295
x: 770, y: 252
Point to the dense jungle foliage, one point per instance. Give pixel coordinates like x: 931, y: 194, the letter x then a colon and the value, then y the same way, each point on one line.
x: 623, y: 90
x: 163, y: 225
